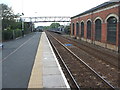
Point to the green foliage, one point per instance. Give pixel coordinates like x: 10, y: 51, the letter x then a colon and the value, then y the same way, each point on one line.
x: 8, y: 20
x: 7, y: 34
x: 18, y: 33
x: 7, y: 12
x: 46, y: 27
x: 11, y: 34
x: 16, y: 25
x: 10, y: 28
x: 54, y: 25
x: 27, y: 27
x: 67, y: 30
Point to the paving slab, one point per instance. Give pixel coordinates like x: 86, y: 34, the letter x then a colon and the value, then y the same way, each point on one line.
x: 50, y: 71
x: 47, y: 63
x: 53, y: 81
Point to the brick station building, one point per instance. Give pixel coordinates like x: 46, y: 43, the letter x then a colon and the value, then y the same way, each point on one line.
x: 99, y: 25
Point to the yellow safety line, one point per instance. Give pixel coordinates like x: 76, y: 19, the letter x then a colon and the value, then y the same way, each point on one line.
x: 36, y: 74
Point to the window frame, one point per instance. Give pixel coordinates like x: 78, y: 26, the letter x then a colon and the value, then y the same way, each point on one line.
x: 111, y: 30
x: 82, y: 29
x: 98, y: 29
x: 89, y: 29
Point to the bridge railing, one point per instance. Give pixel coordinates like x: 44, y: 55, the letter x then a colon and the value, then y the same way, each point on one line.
x: 47, y: 19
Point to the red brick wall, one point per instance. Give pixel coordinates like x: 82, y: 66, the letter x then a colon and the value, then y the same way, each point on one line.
x: 93, y: 31
x: 103, y: 14
x: 104, y: 33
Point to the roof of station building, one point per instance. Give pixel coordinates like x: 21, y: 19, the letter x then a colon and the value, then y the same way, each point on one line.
x: 103, y: 5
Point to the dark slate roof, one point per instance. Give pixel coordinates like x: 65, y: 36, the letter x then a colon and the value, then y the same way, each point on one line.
x: 95, y: 8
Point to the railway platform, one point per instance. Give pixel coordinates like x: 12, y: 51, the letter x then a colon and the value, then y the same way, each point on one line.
x: 46, y: 72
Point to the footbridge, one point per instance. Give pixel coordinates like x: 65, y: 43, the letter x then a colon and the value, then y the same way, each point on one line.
x: 47, y: 19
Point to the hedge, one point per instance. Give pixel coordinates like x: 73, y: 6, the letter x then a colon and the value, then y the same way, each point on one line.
x: 10, y: 34
x: 7, y: 35
x: 18, y: 33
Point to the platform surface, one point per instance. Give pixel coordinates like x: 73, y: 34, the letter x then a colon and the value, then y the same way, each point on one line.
x: 46, y: 72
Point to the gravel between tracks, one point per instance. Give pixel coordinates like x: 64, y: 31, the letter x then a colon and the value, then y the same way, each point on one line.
x: 83, y: 75
x: 110, y: 73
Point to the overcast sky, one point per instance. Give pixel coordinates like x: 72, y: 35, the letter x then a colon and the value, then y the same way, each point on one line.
x: 51, y: 7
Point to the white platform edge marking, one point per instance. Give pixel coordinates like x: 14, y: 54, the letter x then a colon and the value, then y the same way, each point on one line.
x: 65, y: 80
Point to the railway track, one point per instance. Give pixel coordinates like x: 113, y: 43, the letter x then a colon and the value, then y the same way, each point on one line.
x: 107, y: 70
x: 106, y: 56
x: 68, y: 74
x: 85, y: 76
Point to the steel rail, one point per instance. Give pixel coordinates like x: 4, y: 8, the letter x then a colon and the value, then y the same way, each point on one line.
x: 85, y: 64
x: 69, y: 72
x: 95, y: 49
x: 108, y: 55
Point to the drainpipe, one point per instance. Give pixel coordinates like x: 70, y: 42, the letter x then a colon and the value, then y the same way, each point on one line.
x: 119, y: 28
x: 119, y: 45
x: 92, y: 32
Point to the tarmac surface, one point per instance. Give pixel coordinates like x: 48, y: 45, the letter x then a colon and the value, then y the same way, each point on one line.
x: 17, y: 60
x: 29, y: 62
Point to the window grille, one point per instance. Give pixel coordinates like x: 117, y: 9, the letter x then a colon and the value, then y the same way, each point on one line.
x: 111, y: 30
x: 73, y: 29
x: 82, y: 29
x: 89, y: 30
x: 98, y: 30
x: 77, y: 29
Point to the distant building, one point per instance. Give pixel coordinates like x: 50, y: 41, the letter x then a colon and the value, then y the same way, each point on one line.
x: 99, y: 25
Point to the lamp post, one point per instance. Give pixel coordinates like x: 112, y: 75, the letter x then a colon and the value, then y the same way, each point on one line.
x: 22, y: 25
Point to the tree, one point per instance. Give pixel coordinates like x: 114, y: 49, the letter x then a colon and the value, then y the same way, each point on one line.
x: 7, y: 12
x: 67, y: 29
x: 46, y: 27
x: 8, y: 17
x: 54, y: 25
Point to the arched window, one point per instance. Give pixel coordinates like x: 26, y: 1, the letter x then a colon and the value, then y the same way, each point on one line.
x: 73, y: 27
x: 77, y: 28
x: 89, y: 29
x: 82, y: 29
x: 111, y: 30
x: 98, y: 29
